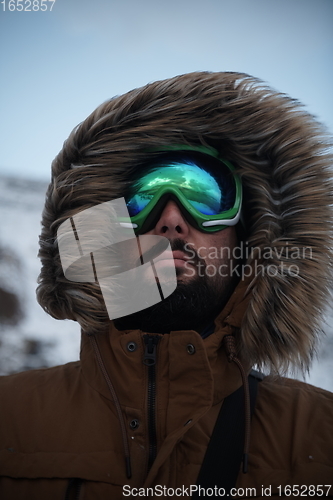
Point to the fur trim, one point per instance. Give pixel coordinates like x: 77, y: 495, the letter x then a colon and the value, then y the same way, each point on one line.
x: 280, y: 152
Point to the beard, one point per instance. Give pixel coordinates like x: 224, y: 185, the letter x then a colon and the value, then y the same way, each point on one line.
x: 192, y: 306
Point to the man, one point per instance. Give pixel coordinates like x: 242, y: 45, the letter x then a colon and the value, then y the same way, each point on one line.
x: 250, y: 275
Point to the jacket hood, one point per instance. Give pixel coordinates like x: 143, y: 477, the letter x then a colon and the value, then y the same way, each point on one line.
x: 281, y: 154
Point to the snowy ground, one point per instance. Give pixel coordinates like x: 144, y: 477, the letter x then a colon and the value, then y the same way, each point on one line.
x: 39, y: 340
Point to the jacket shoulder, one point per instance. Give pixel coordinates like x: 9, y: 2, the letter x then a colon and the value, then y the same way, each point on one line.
x: 24, y: 383
x: 296, y: 405
x: 284, y: 390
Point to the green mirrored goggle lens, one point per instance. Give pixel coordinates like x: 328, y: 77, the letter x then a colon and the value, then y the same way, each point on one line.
x: 206, y: 188
x: 207, y: 194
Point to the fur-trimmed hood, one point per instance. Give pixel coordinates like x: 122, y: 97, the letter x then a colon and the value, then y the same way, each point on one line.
x: 279, y: 151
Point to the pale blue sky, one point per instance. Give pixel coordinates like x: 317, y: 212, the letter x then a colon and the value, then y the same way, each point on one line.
x: 56, y: 67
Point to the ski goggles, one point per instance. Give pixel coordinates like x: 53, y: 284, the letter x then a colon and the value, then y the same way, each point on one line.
x: 206, y: 189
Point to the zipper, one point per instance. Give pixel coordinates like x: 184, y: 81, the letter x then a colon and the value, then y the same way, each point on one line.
x: 74, y: 484
x: 149, y: 360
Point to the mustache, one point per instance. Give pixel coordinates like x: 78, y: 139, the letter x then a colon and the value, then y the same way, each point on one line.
x: 151, y: 253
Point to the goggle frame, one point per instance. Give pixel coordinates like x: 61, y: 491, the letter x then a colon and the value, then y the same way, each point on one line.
x: 202, y: 222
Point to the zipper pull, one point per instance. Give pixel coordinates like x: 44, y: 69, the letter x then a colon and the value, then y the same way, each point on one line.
x: 151, y: 341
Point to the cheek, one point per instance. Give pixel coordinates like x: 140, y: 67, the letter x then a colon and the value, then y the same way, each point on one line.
x: 220, y: 246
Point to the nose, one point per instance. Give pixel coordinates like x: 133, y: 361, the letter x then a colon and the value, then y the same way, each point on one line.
x: 171, y: 223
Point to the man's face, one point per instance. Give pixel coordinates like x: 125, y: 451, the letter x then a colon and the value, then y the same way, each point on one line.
x: 204, y: 276
x: 196, y: 254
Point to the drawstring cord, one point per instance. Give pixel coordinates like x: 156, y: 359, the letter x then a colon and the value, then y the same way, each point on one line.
x: 117, y: 405
x: 230, y: 347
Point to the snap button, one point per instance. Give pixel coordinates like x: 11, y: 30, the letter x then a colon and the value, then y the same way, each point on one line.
x: 134, y: 424
x: 190, y: 348
x: 132, y: 346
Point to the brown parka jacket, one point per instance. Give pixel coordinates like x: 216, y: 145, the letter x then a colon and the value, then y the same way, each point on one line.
x: 71, y: 431
x: 61, y: 423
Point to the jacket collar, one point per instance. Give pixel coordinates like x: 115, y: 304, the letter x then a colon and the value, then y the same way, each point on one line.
x: 207, y: 369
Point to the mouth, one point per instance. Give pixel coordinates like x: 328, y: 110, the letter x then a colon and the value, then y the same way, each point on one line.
x: 177, y: 258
